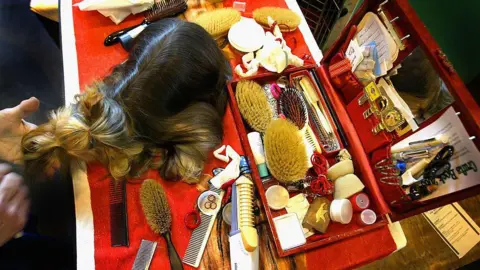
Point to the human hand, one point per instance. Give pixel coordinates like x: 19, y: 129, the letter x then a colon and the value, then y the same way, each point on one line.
x: 13, y: 127
x: 14, y: 203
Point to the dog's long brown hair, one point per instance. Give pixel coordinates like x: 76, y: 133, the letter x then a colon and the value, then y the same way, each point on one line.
x: 162, y: 108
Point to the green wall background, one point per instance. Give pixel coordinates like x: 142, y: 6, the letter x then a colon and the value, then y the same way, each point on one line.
x: 455, y: 25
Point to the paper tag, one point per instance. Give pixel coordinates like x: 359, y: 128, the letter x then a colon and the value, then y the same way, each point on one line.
x: 354, y: 54
x: 455, y: 227
x: 372, y: 91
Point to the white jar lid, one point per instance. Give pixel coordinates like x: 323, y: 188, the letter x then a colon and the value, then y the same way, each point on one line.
x: 277, y: 197
x: 368, y: 217
x: 341, y: 211
x: 246, y: 35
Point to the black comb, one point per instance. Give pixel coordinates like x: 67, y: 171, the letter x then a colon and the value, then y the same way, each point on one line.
x: 118, y: 213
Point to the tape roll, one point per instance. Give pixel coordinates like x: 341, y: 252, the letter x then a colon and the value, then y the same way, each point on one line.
x: 340, y: 169
x: 346, y: 186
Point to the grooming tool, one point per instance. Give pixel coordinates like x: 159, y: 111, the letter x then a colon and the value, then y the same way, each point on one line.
x: 217, y: 22
x: 293, y: 107
x: 256, y: 144
x: 347, y: 185
x: 320, y: 122
x: 289, y: 231
x: 267, y: 88
x: 360, y: 202
x: 327, y: 101
x: 246, y: 220
x: 277, y: 197
x: 366, y: 217
x: 285, y: 151
x: 340, y: 169
x: 415, y: 154
x: 286, y: 19
x: 438, y: 140
x: 317, y: 216
x: 311, y: 143
x: 243, y: 236
x: 253, y: 104
x: 198, y: 240
x: 144, y: 255
x: 118, y: 213
x: 157, y: 212
x: 159, y: 10
x: 341, y: 211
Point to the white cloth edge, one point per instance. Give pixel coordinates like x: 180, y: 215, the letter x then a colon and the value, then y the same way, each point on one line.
x: 83, y: 208
x: 305, y: 30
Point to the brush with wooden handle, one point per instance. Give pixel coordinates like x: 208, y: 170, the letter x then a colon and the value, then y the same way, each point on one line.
x: 157, y: 211
x: 159, y: 10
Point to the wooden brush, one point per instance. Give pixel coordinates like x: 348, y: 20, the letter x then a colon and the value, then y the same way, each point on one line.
x: 157, y: 212
x: 217, y: 22
x: 253, y: 105
x: 159, y: 10
x: 285, y: 151
x: 286, y: 19
x: 293, y: 107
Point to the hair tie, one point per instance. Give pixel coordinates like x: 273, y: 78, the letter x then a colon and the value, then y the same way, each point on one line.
x: 276, y: 90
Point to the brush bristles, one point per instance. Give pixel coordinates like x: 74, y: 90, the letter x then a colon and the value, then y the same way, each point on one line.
x: 253, y: 105
x: 286, y: 19
x: 293, y: 107
x: 285, y: 151
x: 155, y: 206
x: 217, y: 22
x: 165, y: 8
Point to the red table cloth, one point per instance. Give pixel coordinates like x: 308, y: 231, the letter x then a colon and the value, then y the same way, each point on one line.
x: 95, y: 61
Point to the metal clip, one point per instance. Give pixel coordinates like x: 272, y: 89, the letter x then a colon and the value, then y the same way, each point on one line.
x: 367, y: 113
x: 390, y: 27
x: 363, y: 98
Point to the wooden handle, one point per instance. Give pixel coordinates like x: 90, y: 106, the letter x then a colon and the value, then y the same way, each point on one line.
x: 175, y: 262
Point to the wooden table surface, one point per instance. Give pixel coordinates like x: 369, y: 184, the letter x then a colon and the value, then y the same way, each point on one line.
x: 425, y: 249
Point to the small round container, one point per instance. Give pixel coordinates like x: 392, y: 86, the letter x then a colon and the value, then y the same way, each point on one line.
x: 203, y: 200
x: 246, y: 36
x: 366, y: 217
x: 341, y: 211
x: 277, y: 197
x: 360, y: 202
x: 227, y: 214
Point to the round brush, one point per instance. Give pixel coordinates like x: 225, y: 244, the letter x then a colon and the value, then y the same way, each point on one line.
x: 286, y: 19
x: 157, y: 212
x: 293, y: 107
x: 217, y: 22
x: 285, y: 151
x: 253, y: 105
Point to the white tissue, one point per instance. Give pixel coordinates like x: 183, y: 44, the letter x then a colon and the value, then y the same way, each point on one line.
x: 232, y: 171
x: 116, y: 10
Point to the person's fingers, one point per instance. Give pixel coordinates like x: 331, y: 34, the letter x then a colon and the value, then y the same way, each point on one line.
x: 4, y: 169
x: 17, y: 202
x: 25, y: 108
x: 9, y: 186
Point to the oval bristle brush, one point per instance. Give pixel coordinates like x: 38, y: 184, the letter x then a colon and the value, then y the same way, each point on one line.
x: 253, y: 105
x: 293, y: 107
x: 286, y: 19
x: 159, y: 10
x: 285, y: 151
x: 157, y: 212
x: 217, y: 22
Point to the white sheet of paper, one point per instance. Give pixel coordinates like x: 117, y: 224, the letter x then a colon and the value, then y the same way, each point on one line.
x: 372, y: 29
x: 455, y: 227
x: 464, y: 171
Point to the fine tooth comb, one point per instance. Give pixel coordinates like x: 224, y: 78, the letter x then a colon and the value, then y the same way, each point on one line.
x: 311, y: 144
x: 118, y: 214
x: 144, y: 255
x: 159, y: 10
x: 198, y: 240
